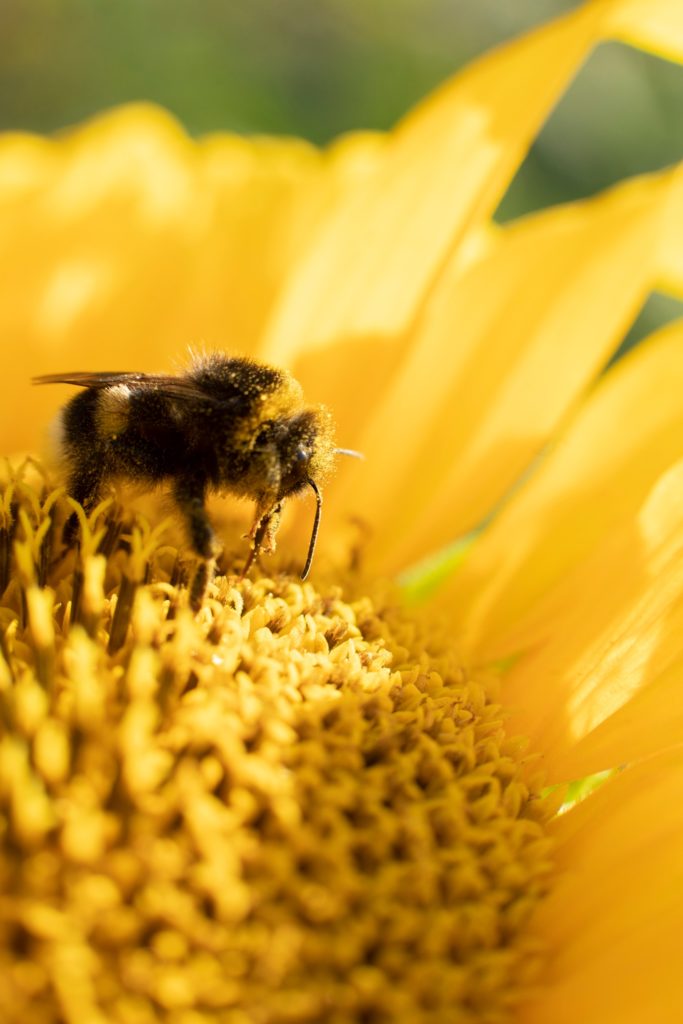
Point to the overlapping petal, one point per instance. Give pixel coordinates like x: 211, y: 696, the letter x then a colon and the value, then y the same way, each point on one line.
x: 614, y: 917
x: 579, y: 577
x: 599, y: 472
x: 503, y: 351
x: 363, y: 278
x: 617, y: 630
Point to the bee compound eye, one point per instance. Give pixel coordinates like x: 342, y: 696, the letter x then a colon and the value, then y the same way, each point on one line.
x: 302, y: 455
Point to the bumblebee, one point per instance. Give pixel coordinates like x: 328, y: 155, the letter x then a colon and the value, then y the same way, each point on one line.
x: 227, y: 424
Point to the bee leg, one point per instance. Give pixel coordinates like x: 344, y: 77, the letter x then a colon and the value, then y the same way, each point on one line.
x: 190, y: 498
x: 84, y: 486
x: 199, y: 584
x: 262, y: 535
x: 257, y: 534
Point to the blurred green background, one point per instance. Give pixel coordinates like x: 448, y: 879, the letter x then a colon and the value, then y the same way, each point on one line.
x: 320, y: 67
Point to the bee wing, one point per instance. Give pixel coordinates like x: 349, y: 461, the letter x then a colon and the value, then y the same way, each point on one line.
x: 174, y: 387
x: 96, y: 380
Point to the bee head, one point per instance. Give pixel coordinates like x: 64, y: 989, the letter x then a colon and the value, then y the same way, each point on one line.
x: 305, y: 448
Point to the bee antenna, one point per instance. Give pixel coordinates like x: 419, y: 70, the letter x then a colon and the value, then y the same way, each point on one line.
x: 349, y: 451
x: 316, y: 527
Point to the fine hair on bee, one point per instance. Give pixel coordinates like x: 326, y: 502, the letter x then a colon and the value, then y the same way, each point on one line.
x: 226, y: 424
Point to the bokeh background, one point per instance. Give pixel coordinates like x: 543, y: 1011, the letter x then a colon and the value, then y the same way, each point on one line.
x: 317, y: 68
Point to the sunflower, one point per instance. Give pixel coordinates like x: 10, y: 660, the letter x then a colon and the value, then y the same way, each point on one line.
x: 346, y: 799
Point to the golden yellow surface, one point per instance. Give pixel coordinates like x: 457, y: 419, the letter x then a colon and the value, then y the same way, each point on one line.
x: 294, y: 806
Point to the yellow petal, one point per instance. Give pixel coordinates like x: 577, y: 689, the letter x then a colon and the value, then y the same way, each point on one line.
x: 364, y: 277
x: 268, y: 197
x: 614, y: 916
x: 505, y: 347
x: 650, y: 720
x: 609, y: 630
x: 599, y: 473
x: 654, y: 26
